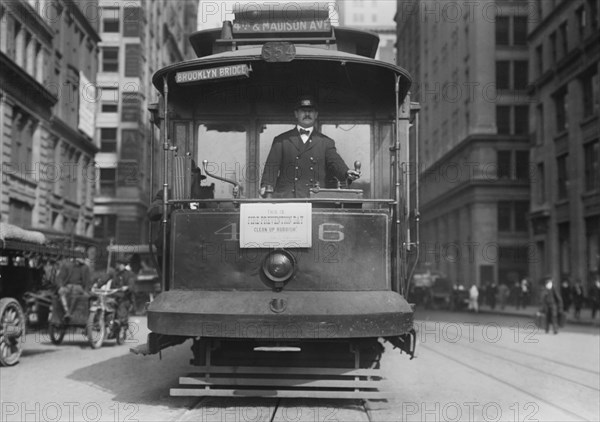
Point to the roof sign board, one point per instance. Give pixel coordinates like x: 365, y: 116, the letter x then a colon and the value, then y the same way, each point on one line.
x: 190, y: 76
x: 282, y: 26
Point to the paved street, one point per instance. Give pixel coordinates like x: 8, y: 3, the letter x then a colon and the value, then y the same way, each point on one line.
x: 469, y: 367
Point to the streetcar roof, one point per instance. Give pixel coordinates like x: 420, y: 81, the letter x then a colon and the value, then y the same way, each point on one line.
x: 367, y: 75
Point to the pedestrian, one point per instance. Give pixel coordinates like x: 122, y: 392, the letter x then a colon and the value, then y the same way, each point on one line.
x: 595, y: 296
x: 503, y: 292
x: 525, y: 292
x: 473, y: 299
x: 515, y: 293
x: 565, y: 292
x: 578, y: 297
x: 303, y: 158
x: 492, y: 292
x: 551, y: 305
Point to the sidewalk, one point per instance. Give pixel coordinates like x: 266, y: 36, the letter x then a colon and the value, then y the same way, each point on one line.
x: 530, y: 311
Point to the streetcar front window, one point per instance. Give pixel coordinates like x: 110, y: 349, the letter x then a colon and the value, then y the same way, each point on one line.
x: 224, y: 147
x: 353, y: 143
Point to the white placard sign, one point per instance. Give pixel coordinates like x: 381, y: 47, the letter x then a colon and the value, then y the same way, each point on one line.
x: 275, y: 225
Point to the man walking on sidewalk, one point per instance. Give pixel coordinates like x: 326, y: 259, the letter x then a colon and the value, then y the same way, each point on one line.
x: 551, y: 305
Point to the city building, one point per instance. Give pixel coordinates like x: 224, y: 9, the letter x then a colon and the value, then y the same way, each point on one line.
x: 371, y: 15
x: 469, y: 61
x: 138, y: 38
x: 48, y: 66
x: 565, y: 204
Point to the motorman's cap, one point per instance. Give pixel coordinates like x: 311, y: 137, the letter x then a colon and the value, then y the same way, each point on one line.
x: 306, y: 101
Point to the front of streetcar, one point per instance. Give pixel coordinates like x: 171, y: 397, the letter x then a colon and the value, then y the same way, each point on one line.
x: 252, y: 279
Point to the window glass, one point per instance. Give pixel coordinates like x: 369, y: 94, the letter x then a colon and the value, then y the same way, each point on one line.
x: 353, y: 143
x: 502, y: 23
x: 223, y: 145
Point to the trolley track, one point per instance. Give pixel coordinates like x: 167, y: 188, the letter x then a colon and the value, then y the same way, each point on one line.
x: 218, y: 409
x: 499, y: 379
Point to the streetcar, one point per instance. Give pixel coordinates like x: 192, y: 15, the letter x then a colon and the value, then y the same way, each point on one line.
x: 292, y: 297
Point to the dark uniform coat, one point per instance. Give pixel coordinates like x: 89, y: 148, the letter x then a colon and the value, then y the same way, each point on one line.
x: 293, y: 167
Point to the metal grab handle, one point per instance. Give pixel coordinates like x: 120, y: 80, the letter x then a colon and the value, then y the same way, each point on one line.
x: 236, y: 185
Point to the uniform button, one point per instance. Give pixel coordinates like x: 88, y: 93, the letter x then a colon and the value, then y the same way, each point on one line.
x: 311, y: 180
x: 297, y: 168
x: 310, y: 168
x: 295, y: 179
x: 297, y: 158
x: 311, y: 158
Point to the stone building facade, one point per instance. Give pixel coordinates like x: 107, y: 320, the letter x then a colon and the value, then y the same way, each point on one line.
x: 138, y: 38
x: 469, y: 62
x: 565, y: 150
x: 48, y: 66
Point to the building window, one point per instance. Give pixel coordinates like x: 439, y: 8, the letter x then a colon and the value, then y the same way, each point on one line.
x: 520, y: 69
x: 591, y: 153
x: 504, y: 164
x: 541, y: 184
x: 132, y: 60
x: 503, y: 74
x: 520, y: 30
x: 105, y: 226
x: 502, y: 30
x: 564, y: 41
x: 19, y: 213
x: 539, y: 124
x: 110, y: 59
x: 131, y: 22
x: 590, y: 87
x: 521, y: 120
x: 110, y: 20
x: 564, y: 249
x: 108, y: 182
x: 23, y: 128
x: 560, y: 104
x: 522, y: 165
x: 504, y: 216
x: 593, y: 10
x: 539, y: 55
x: 553, y: 46
x: 512, y: 216
x: 503, y: 120
x: 580, y: 16
x: 562, y: 176
x: 110, y: 100
x: 521, y: 212
x: 108, y: 139
x: 592, y: 230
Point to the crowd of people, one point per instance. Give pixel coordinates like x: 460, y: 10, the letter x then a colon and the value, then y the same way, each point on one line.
x: 520, y: 294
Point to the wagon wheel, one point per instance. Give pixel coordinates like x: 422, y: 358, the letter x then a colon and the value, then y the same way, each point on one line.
x: 12, y: 328
x: 95, y: 329
x: 57, y: 333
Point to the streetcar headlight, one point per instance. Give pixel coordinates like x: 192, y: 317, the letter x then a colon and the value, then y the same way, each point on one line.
x: 279, y: 265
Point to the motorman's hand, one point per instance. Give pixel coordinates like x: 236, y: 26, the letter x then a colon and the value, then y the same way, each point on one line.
x: 262, y: 191
x: 352, y: 175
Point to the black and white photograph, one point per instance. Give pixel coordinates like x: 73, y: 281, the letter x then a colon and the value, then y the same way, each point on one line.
x: 299, y: 211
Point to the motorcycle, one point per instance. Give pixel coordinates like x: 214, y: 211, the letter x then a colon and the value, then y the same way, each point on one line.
x: 103, y: 323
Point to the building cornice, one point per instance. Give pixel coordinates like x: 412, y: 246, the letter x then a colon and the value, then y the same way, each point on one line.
x: 22, y: 86
x: 477, y: 139
x: 556, y: 12
x: 77, y: 139
x: 23, y: 11
x: 82, y: 19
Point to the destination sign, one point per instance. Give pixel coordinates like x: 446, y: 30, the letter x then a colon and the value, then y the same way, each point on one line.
x: 275, y: 225
x: 284, y: 25
x: 212, y: 73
